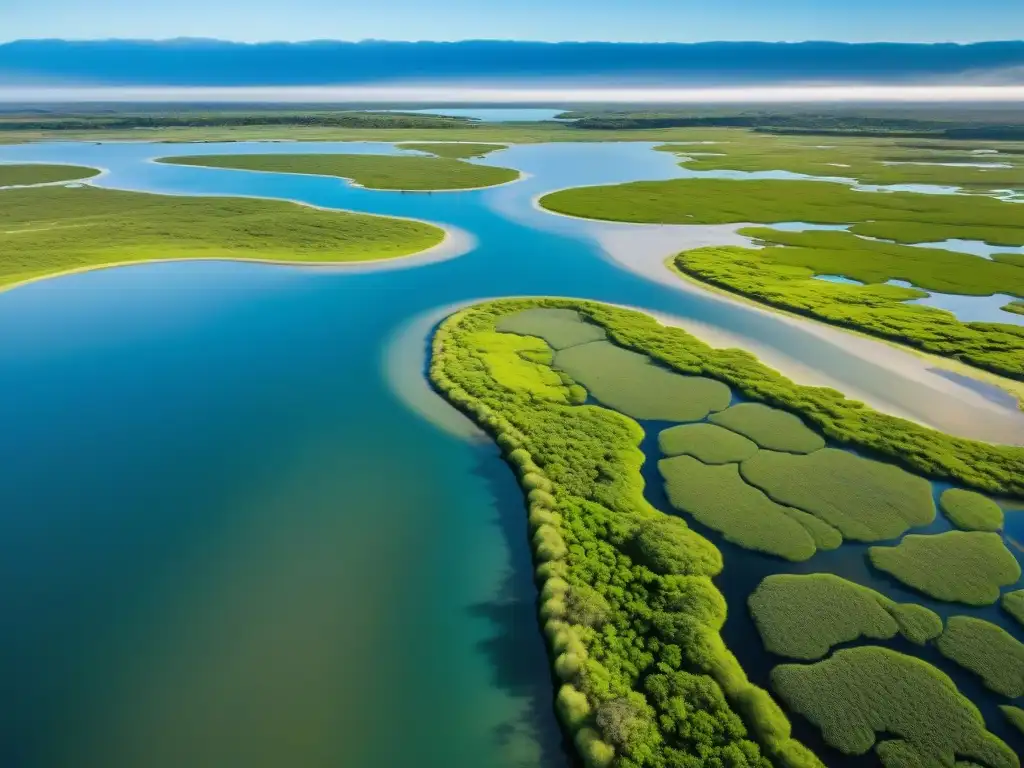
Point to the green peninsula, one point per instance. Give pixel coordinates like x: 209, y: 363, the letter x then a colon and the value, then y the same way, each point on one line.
x: 14, y: 175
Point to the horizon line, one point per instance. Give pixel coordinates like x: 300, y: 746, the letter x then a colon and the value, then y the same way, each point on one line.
x: 309, y: 41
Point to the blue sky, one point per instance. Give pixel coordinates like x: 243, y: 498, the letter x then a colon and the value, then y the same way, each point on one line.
x: 634, y: 20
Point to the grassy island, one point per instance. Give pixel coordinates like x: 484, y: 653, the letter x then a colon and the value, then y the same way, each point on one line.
x: 858, y: 694
x: 40, y: 173
x: 455, y: 150
x: 49, y: 230
x: 627, y: 600
x: 708, y: 443
x: 770, y: 428
x: 970, y: 511
x: 394, y: 172
x: 987, y: 650
x: 1015, y: 715
x: 805, y: 616
x: 1013, y: 604
x: 957, y: 566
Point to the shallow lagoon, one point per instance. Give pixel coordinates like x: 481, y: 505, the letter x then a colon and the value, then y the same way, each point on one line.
x: 225, y: 535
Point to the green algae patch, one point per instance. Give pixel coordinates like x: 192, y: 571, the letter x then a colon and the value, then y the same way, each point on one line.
x: 905, y: 217
x: 560, y: 328
x: 13, y: 175
x: 1013, y: 604
x: 706, y: 442
x: 957, y: 566
x: 860, y: 693
x: 865, y: 500
x: 398, y: 172
x: 718, y: 498
x: 48, y: 230
x: 522, y: 363
x: 805, y: 616
x: 770, y: 428
x: 455, y: 150
x: 988, y: 651
x: 631, y: 384
x: 1015, y: 715
x: 970, y: 511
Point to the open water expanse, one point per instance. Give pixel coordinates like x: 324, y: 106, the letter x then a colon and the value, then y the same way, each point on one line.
x: 236, y: 527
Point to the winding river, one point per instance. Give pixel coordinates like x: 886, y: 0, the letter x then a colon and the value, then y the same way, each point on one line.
x: 236, y: 526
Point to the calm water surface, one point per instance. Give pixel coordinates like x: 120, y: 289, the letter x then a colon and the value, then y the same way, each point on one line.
x: 227, y: 540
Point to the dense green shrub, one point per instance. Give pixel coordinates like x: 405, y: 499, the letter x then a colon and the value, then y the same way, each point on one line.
x: 860, y: 692
x: 1013, y: 604
x: 718, y: 498
x: 804, y: 616
x: 625, y: 591
x: 970, y: 511
x: 558, y: 327
x: 631, y: 384
x: 865, y: 500
x: 706, y: 442
x: 987, y: 650
x: 769, y: 427
x: 957, y: 566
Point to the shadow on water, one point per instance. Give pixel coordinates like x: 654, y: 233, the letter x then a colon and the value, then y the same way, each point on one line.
x: 745, y: 569
x: 516, y: 651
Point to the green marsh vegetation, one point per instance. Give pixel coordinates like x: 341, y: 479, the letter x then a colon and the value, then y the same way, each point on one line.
x: 1015, y: 715
x: 782, y: 275
x: 1017, y: 305
x: 47, y: 230
x: 631, y: 383
x: 988, y: 650
x: 860, y: 694
x: 1013, y: 604
x: 957, y: 566
x: 454, y: 150
x: 707, y: 443
x: 970, y: 511
x: 395, y: 172
x: 719, y: 498
x: 769, y: 427
x: 865, y: 500
x: 904, y: 217
x: 627, y: 599
x: 805, y: 616
x: 40, y: 173
x: 560, y: 328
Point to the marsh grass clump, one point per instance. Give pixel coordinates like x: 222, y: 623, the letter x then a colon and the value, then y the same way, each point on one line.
x: 560, y: 328
x: 706, y: 442
x: 719, y: 498
x: 13, y: 175
x: 859, y: 693
x: 1013, y: 604
x: 970, y: 511
x: 769, y: 427
x: 400, y: 172
x: 632, y: 384
x: 956, y: 566
x: 865, y: 500
x: 805, y: 616
x: 1015, y: 715
x: 988, y: 651
x: 45, y: 230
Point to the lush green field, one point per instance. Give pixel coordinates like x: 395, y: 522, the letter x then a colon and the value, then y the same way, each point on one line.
x: 859, y: 694
x: 371, y: 171
x: 628, y: 604
x: 971, y: 511
x: 869, y: 160
x: 769, y: 427
x: 805, y: 616
x: 901, y: 216
x: 560, y: 328
x: 47, y: 230
x: 706, y: 442
x: 630, y: 383
x: 987, y: 650
x: 956, y: 566
x: 717, y: 497
x: 454, y: 150
x: 39, y: 173
x: 865, y: 500
x: 1013, y: 604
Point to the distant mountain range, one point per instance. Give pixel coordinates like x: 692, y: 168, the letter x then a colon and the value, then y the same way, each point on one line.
x: 192, y: 62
